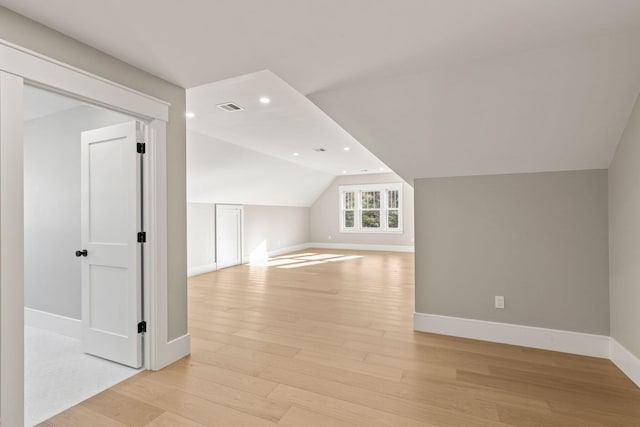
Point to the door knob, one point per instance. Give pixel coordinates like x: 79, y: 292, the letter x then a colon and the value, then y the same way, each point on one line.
x: 81, y: 253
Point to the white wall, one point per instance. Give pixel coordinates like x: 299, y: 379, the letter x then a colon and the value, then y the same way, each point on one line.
x: 201, y: 234
x: 266, y: 229
x: 325, y: 214
x: 52, y: 207
x: 274, y: 228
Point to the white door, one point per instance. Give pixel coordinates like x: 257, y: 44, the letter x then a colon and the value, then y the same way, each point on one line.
x: 228, y: 235
x: 111, y: 254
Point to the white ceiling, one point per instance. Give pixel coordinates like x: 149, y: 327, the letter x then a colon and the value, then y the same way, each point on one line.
x: 560, y: 108
x: 431, y: 87
x: 315, y: 45
x: 220, y: 172
x: 288, y: 124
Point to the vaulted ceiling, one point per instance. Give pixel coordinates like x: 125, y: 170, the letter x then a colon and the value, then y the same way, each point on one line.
x: 432, y: 87
x: 285, y: 125
x: 315, y: 45
x: 556, y: 108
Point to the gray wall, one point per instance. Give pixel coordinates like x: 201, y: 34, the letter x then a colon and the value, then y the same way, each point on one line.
x: 276, y: 226
x: 538, y: 239
x: 52, y: 207
x: 624, y: 237
x: 27, y: 33
x: 325, y: 214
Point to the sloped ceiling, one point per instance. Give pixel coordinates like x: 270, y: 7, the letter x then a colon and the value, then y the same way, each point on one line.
x: 432, y: 87
x: 220, y: 172
x: 289, y: 126
x: 314, y: 45
x: 559, y: 108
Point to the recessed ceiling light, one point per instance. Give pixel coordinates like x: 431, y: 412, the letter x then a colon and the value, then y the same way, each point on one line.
x: 265, y: 100
x: 381, y: 169
x: 296, y: 154
x: 189, y: 115
x: 347, y: 148
x: 344, y: 171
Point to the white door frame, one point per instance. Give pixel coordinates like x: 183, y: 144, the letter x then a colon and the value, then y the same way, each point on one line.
x: 241, y: 208
x: 17, y: 67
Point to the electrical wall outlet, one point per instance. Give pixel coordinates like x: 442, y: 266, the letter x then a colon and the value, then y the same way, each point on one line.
x: 329, y: 237
x: 499, y: 301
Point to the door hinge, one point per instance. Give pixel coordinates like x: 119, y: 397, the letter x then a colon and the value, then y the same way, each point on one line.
x: 142, y: 147
x: 142, y: 237
x: 142, y: 327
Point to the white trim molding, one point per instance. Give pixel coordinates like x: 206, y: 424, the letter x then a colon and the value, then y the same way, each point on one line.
x: 201, y: 269
x: 362, y: 247
x: 174, y: 350
x: 55, y: 323
x: 47, y: 72
x: 625, y: 360
x: 506, y: 333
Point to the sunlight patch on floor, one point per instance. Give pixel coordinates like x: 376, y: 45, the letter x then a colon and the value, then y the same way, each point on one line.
x: 303, y: 260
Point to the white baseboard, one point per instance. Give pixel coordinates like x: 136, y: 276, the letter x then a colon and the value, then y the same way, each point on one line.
x: 362, y: 247
x: 174, y: 350
x: 625, y: 360
x: 202, y: 269
x: 528, y: 336
x: 62, y: 325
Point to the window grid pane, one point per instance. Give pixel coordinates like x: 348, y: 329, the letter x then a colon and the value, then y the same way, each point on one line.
x: 349, y: 200
x: 392, y: 219
x: 370, y: 219
x: 349, y: 219
x: 370, y: 200
x: 393, y: 199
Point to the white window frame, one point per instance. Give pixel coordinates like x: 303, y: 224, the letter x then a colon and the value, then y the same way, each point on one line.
x: 384, y: 208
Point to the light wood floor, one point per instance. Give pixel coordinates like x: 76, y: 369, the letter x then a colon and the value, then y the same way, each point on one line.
x: 332, y: 345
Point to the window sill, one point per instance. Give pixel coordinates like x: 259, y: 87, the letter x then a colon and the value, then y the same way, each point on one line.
x: 372, y: 231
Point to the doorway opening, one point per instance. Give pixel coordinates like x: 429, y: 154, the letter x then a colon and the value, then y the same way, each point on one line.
x: 229, y: 232
x: 82, y: 261
x: 18, y: 67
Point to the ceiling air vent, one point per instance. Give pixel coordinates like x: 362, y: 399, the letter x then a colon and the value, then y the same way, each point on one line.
x: 230, y: 107
x: 320, y: 150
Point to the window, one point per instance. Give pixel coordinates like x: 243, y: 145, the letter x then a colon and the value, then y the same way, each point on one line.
x: 349, y: 210
x: 371, y: 208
